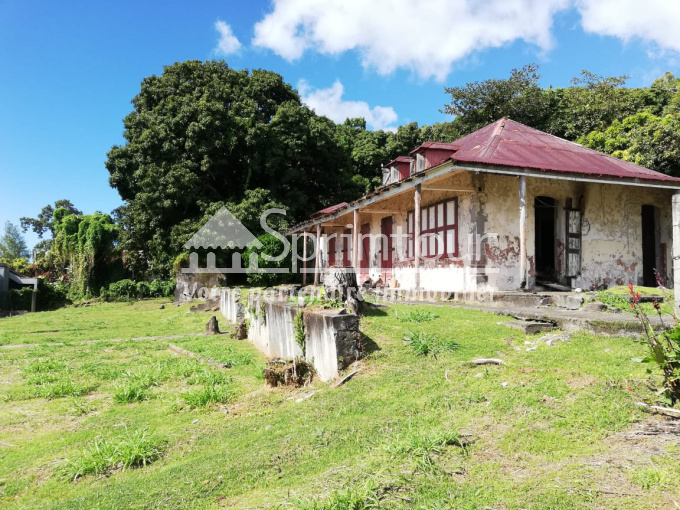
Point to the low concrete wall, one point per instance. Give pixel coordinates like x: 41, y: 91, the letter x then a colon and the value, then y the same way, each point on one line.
x: 331, y: 336
x: 231, y: 306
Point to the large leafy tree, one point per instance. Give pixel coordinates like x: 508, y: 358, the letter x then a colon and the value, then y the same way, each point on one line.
x: 592, y: 102
x: 480, y: 103
x: 644, y: 139
x: 203, y: 133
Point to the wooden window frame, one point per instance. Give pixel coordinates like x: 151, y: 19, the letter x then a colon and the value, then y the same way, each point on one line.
x: 440, y: 226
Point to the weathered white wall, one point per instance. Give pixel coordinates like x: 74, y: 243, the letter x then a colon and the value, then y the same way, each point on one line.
x: 330, y: 337
x: 611, y: 242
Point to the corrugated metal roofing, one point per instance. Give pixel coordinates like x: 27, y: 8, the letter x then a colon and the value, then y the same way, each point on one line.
x: 437, y: 146
x: 400, y: 159
x: 509, y: 143
x: 331, y: 209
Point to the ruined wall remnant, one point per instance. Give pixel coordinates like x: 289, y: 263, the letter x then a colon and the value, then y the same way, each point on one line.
x: 331, y: 336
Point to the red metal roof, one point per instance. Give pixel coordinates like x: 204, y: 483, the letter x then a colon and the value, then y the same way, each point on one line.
x: 444, y: 146
x: 331, y: 209
x: 509, y: 143
x: 400, y: 159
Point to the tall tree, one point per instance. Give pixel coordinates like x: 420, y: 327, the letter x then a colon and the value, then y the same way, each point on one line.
x: 480, y: 103
x: 202, y: 133
x: 12, y: 244
x: 644, y: 139
x: 44, y: 223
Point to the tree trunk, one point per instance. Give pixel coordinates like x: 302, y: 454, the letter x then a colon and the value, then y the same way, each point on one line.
x: 341, y: 283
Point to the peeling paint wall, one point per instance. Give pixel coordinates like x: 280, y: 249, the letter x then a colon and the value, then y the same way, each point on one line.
x: 611, y: 233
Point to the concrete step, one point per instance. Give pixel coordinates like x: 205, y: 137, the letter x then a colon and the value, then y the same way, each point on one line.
x: 529, y: 327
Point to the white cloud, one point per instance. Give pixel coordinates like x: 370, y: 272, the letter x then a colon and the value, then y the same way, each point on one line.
x: 426, y: 36
x: 329, y: 102
x: 651, y: 20
x: 228, y: 42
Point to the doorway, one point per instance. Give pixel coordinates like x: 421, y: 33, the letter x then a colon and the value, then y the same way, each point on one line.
x: 365, y: 253
x: 386, y: 249
x: 650, y: 245
x: 545, y: 212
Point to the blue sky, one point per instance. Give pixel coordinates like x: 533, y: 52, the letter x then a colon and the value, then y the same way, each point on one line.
x: 70, y: 69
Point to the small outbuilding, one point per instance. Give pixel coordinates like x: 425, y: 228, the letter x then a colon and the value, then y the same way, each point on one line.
x: 507, y: 208
x: 10, y: 279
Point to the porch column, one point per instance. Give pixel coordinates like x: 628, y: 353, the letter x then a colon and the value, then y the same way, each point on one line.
x: 304, y: 257
x: 317, y: 262
x: 676, y: 248
x: 355, y: 242
x: 416, y: 235
x: 522, y: 232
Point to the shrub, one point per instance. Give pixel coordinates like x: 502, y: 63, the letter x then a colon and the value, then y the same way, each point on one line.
x: 123, y: 290
x: 664, y: 347
x: 51, y: 295
x: 103, y: 455
x: 272, y: 247
x: 161, y: 288
x: 143, y: 290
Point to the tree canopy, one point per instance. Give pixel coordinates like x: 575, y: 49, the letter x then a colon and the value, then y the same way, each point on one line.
x: 12, y: 244
x: 203, y: 133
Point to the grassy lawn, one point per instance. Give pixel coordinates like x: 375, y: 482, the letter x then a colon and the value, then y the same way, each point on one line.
x: 130, y: 424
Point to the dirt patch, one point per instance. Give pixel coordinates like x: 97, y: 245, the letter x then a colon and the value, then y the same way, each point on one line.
x: 578, y: 383
x: 288, y: 373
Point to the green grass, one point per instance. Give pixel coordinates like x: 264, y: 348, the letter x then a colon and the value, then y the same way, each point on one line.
x: 619, y: 298
x: 101, y: 321
x: 102, y: 455
x: 547, y: 430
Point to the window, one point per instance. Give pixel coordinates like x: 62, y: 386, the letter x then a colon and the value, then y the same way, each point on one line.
x: 438, y: 230
x: 385, y: 176
x: 420, y: 162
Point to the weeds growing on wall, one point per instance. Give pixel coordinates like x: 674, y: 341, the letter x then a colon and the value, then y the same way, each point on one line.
x: 299, y: 331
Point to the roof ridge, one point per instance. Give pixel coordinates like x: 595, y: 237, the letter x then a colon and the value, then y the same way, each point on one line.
x: 496, y: 137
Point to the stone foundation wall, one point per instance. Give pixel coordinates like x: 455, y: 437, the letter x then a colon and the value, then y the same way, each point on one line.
x: 331, y: 336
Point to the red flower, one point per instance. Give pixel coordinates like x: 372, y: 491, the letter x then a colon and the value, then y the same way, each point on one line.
x: 630, y: 288
x: 657, y: 305
x: 636, y: 299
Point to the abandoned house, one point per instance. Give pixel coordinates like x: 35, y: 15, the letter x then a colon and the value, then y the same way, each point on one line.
x: 505, y: 208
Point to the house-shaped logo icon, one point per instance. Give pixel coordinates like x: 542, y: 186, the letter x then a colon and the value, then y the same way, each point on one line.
x: 223, y: 231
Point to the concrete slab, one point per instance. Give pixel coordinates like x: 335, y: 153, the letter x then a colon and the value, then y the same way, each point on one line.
x: 529, y: 327
x: 568, y: 301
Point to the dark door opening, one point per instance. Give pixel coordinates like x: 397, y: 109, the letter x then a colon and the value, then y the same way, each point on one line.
x: 650, y: 245
x: 545, y: 214
x: 386, y: 248
x: 364, y: 254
